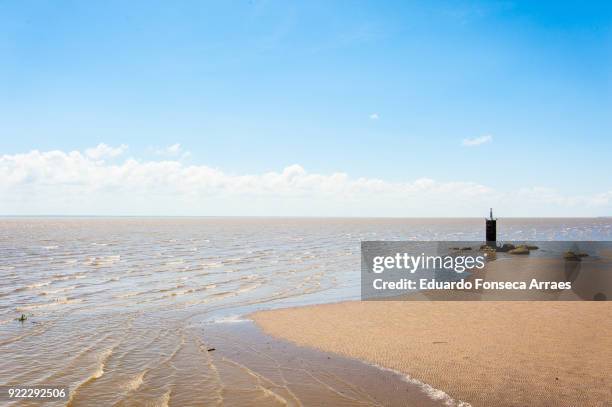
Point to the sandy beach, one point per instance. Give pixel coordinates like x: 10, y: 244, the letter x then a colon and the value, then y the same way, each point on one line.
x: 485, y: 353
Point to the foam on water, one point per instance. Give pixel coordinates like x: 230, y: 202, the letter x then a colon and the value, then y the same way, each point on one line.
x: 435, y: 394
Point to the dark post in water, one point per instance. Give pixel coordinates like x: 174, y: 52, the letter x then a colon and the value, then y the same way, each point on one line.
x: 491, y: 229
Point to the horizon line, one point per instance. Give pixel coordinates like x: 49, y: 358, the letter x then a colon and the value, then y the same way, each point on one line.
x: 298, y: 216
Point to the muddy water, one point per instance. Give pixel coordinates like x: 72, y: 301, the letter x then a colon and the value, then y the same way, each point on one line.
x: 123, y: 311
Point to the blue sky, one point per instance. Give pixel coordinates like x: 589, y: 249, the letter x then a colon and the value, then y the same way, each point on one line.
x: 376, y: 90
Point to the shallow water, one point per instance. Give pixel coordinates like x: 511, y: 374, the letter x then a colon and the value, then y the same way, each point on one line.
x: 115, y: 305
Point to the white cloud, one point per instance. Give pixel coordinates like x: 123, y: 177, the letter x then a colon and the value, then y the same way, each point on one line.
x: 374, y: 116
x: 477, y: 141
x: 102, y: 151
x: 58, y: 182
x: 174, y: 150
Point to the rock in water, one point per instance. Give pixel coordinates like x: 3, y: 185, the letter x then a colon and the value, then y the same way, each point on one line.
x: 519, y: 250
x: 506, y: 247
x: 571, y: 256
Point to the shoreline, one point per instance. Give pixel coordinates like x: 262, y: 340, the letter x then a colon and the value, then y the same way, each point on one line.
x: 278, y: 372
x: 485, y: 353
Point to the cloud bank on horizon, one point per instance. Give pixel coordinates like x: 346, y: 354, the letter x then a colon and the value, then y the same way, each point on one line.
x: 99, y: 182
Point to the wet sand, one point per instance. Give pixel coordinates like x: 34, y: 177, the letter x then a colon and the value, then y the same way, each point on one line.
x: 257, y: 369
x: 486, y: 353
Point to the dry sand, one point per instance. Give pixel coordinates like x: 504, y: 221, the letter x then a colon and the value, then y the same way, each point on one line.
x: 485, y: 353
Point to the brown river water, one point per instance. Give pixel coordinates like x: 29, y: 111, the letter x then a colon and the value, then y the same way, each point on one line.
x: 126, y: 311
